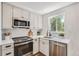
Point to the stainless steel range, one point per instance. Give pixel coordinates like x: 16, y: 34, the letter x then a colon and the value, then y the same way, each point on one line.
x: 23, y: 46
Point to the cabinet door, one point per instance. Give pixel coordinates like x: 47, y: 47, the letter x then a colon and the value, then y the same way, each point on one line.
x: 39, y: 22
x: 7, y: 16
x: 41, y: 46
x: 33, y: 19
x: 59, y: 49
x: 17, y: 13
x: 36, y: 21
x: 25, y: 14
x: 44, y: 46
x: 35, y: 46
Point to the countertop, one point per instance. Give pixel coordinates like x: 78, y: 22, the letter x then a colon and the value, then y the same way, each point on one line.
x: 58, y: 39
x: 62, y: 40
x: 6, y: 41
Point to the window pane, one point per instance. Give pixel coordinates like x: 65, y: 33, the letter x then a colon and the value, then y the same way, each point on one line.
x: 60, y: 24
x: 57, y: 24
x: 53, y: 24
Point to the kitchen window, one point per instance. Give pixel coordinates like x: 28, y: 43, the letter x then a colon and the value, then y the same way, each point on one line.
x: 56, y: 24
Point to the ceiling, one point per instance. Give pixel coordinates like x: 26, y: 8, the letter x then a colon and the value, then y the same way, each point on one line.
x: 40, y: 7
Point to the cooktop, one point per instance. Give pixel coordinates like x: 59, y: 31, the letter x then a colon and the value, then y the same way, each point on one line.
x: 21, y: 39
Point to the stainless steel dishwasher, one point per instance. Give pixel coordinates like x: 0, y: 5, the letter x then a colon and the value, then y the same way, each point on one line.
x: 57, y: 48
x: 51, y: 47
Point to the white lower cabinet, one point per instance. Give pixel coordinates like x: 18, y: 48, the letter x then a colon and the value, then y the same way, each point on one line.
x: 44, y: 46
x: 36, y: 46
x: 7, y: 49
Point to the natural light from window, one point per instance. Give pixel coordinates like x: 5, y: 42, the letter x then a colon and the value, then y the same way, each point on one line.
x: 56, y: 24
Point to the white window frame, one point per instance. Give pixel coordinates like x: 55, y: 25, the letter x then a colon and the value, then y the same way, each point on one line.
x: 49, y: 18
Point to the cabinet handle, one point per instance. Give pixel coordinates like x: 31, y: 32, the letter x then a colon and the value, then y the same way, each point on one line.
x: 8, y: 46
x: 35, y: 39
x: 8, y: 53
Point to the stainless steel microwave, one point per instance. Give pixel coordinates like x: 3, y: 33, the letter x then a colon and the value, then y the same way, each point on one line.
x: 20, y: 23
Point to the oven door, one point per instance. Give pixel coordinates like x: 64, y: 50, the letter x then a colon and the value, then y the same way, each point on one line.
x: 23, y: 49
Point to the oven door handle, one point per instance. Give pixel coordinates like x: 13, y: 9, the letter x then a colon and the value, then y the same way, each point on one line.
x: 23, y: 43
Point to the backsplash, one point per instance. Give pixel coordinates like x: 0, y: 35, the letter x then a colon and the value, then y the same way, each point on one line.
x: 16, y: 32
x: 5, y: 31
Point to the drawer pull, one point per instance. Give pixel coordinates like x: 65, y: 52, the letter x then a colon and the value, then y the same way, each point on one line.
x: 8, y: 46
x: 8, y: 53
x: 35, y: 39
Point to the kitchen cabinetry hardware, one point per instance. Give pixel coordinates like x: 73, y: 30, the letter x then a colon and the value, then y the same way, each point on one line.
x: 35, y: 39
x: 8, y: 46
x: 8, y: 53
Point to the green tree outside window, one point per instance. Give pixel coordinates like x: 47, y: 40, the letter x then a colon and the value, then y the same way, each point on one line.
x: 57, y: 24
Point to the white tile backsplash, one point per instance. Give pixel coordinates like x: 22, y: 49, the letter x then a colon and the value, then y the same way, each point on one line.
x: 17, y: 32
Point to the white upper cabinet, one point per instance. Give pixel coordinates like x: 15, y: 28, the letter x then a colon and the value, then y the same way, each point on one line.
x: 39, y: 22
x: 36, y: 21
x: 33, y: 20
x: 11, y: 12
x: 7, y: 16
x: 25, y: 14
x: 20, y: 13
x: 17, y: 13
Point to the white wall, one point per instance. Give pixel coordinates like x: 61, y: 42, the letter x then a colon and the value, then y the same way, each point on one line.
x: 0, y: 22
x: 71, y: 26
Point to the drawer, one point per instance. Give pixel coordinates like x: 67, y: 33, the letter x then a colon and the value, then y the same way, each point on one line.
x: 8, y: 53
x: 7, y: 46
